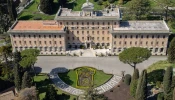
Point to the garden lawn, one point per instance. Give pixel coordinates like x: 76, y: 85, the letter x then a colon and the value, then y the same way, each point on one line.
x: 31, y: 12
x: 162, y: 64
x: 42, y: 80
x: 70, y: 78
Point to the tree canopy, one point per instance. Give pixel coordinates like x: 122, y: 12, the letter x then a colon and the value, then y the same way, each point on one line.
x: 46, y: 6
x: 134, y: 55
x: 171, y: 51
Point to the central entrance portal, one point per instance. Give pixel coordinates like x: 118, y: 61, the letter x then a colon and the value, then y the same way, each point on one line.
x: 88, y: 45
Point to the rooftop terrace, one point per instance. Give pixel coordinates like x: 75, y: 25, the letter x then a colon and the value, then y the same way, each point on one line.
x: 144, y: 26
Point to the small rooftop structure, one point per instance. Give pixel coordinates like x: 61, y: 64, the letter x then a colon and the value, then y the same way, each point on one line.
x: 88, y: 6
x: 142, y: 27
x: 36, y: 26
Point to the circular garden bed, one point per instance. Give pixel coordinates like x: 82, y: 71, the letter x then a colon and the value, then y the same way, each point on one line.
x: 84, y: 77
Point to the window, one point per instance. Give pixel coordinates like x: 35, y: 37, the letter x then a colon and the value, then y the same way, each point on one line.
x: 44, y: 36
x: 114, y: 42
x: 87, y: 32
x: 55, y: 36
x: 77, y: 38
x: 147, y: 36
x: 97, y: 32
x: 67, y: 23
x: 152, y: 36
x: 98, y: 23
x: 60, y: 42
x: 50, y: 42
x: 164, y: 36
x: 108, y: 38
x: 34, y: 36
x: 151, y: 43
x: 60, y: 23
x: 158, y: 36
x: 68, y: 38
x: 156, y: 49
x: 157, y: 43
x: 131, y: 36
x: 87, y: 23
x: 130, y: 42
x: 59, y: 36
x: 72, y: 23
x: 114, y: 23
x: 44, y: 42
x: 162, y: 43
x: 120, y: 42
x: 93, y: 32
x: 55, y: 42
x: 115, y: 36
x: 25, y: 42
x: 82, y: 38
x: 97, y: 38
x: 142, y: 36
x: 125, y: 42
x: 14, y: 36
x: 24, y: 36
x: 30, y: 42
x: 72, y: 38
x: 77, y: 23
x: 92, y: 23
x: 40, y: 42
x: 20, y: 42
x: 146, y: 42
x: 39, y: 36
x: 120, y: 36
x: 136, y: 36
x: 103, y: 32
x: 141, y: 42
x: 108, y: 23
x: 29, y: 36
x: 35, y: 42
x: 82, y: 23
x: 125, y: 36
x: 136, y: 43
x: 49, y: 36
x: 82, y: 32
x: 19, y: 36
x: 103, y: 23
x: 102, y: 38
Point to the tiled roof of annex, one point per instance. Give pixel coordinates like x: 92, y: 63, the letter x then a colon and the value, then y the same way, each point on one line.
x: 37, y: 26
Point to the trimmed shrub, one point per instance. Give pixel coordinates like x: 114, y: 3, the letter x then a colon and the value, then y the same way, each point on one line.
x: 111, y: 1
x: 127, y: 79
x: 100, y: 2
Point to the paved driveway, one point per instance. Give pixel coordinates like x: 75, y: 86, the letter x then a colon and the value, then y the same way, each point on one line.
x: 108, y: 64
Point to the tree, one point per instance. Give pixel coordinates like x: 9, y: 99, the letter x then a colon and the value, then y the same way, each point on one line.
x: 28, y: 94
x: 29, y: 57
x: 5, y: 52
x: 160, y: 96
x: 134, y: 80
x: 134, y: 55
x: 11, y: 9
x: 141, y: 92
x: 167, y: 82
x: 91, y: 94
x: 17, y: 77
x: 127, y: 79
x: 26, y: 80
x: 5, y: 22
x: 139, y: 9
x: 51, y: 94
x: 46, y: 6
x: 171, y: 51
x: 165, y: 4
x: 62, y: 2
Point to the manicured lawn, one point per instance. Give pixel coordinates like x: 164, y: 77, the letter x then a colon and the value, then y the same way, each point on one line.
x: 159, y: 65
x: 42, y: 81
x: 70, y: 78
x: 31, y: 12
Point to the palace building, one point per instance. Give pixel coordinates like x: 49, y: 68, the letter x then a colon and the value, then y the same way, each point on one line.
x: 89, y: 29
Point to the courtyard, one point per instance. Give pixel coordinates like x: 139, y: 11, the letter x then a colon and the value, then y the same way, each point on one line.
x: 110, y: 65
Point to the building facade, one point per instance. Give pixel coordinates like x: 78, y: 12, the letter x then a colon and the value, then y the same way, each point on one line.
x: 89, y: 29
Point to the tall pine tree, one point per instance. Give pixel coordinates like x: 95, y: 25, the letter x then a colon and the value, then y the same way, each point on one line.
x: 171, y: 51
x: 167, y: 79
x: 11, y: 9
x: 134, y: 80
x: 51, y: 94
x: 26, y: 80
x: 17, y: 77
x: 141, y: 92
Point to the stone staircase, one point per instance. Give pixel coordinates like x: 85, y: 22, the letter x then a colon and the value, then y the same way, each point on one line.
x: 88, y: 53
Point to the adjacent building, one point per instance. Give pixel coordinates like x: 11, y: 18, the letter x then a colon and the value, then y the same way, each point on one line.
x: 89, y: 29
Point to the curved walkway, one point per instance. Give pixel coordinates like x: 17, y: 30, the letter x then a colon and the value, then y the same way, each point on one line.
x: 63, y: 86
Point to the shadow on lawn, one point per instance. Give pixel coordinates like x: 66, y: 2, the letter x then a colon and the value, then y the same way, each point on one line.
x: 26, y: 17
x: 70, y: 5
x: 64, y: 77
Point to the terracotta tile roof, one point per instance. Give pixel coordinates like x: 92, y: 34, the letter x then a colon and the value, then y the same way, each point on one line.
x: 37, y: 25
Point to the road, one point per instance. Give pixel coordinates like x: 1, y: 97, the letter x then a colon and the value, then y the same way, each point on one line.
x: 108, y: 64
